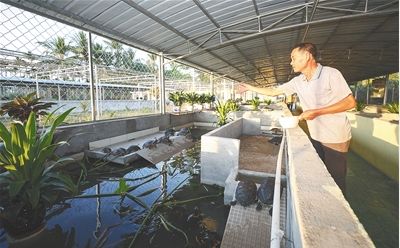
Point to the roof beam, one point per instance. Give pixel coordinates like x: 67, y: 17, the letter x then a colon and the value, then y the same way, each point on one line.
x: 289, y: 27
x: 169, y: 27
x: 205, y: 12
x: 260, y: 25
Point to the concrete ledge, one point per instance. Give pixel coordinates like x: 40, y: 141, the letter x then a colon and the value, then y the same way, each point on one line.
x: 320, y: 215
x: 80, y: 135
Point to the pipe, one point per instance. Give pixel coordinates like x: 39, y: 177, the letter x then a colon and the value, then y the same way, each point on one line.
x: 275, y: 231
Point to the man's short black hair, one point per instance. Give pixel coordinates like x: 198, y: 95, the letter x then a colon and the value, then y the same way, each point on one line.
x: 309, y: 47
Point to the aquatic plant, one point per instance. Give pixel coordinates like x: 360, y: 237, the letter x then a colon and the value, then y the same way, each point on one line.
x: 32, y: 180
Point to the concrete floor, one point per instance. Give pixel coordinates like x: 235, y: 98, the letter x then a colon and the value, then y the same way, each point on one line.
x: 374, y: 199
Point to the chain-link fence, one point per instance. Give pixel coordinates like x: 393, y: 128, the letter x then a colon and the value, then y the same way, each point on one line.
x: 52, y: 59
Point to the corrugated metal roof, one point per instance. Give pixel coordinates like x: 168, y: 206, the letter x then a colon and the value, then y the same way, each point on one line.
x: 246, y: 40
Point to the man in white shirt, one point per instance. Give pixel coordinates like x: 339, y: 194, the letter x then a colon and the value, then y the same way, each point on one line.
x: 325, y: 96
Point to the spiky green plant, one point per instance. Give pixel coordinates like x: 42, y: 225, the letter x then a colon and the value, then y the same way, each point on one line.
x: 232, y: 105
x: 32, y: 181
x: 360, y: 106
x: 393, y: 107
x: 255, y: 103
x: 222, y: 110
x: 22, y: 106
x: 177, y: 98
x: 192, y: 98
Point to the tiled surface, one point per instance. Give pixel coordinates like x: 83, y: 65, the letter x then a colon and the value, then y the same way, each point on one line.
x: 374, y: 199
x: 248, y: 228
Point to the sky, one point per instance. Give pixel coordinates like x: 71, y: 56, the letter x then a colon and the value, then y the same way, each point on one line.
x: 22, y: 31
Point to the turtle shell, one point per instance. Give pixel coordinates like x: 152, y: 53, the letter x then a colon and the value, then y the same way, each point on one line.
x: 246, y: 193
x: 132, y: 148
x: 265, y: 192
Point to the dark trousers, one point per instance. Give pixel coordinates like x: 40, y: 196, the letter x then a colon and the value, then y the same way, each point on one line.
x: 335, y: 162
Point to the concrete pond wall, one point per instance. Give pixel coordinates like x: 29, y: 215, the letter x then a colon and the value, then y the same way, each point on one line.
x: 220, y: 149
x: 318, y: 214
x: 377, y: 141
x: 80, y: 135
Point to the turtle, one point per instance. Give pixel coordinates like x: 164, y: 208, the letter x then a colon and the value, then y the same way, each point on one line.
x: 169, y: 132
x: 275, y: 140
x: 246, y: 193
x: 194, y: 219
x: 183, y: 132
x: 265, y: 193
x: 150, y: 144
x: 107, y: 150
x: 119, y: 152
x: 164, y: 140
x: 132, y: 148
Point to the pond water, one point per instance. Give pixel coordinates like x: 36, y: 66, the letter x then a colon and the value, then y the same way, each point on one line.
x: 113, y: 221
x: 374, y: 198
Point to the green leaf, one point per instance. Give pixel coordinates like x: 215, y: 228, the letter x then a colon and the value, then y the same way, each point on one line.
x: 123, y: 187
x: 15, y: 187
x: 147, y: 192
x: 5, y: 136
x: 137, y: 200
x: 30, y: 129
x: 34, y: 196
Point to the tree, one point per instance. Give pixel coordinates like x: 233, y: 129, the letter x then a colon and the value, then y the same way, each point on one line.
x: 80, y: 47
x: 57, y: 47
x: 116, y: 53
x: 128, y: 59
x: 97, y: 53
x: 151, y: 62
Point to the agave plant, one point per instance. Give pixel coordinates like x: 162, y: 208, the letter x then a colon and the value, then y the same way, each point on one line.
x: 222, y: 110
x: 360, y: 106
x: 255, y: 103
x: 392, y: 107
x: 177, y: 98
x: 232, y: 105
x: 32, y: 181
x: 21, y: 107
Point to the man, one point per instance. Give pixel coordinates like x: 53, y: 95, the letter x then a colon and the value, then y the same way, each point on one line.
x: 324, y: 96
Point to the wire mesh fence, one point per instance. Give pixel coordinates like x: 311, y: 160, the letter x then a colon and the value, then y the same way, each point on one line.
x: 52, y: 59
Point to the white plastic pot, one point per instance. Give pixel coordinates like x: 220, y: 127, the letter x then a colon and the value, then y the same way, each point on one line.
x: 289, y: 121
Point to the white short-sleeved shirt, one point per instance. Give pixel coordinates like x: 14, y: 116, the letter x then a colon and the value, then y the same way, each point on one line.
x: 326, y: 87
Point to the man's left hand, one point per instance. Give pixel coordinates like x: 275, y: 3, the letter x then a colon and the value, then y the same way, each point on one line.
x: 309, y: 114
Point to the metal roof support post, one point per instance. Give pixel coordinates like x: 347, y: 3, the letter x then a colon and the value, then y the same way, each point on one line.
x: 386, y: 89
x: 368, y: 82
x: 161, y: 81
x: 212, y: 82
x: 91, y: 78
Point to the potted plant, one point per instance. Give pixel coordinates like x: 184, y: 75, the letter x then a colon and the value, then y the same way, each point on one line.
x: 360, y: 106
x: 21, y: 106
x: 222, y: 110
x: 209, y: 99
x: 32, y: 182
x: 192, y: 98
x: 255, y: 102
x: 177, y: 98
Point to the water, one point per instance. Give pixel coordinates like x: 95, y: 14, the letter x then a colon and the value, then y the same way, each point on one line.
x: 112, y: 222
x: 374, y: 198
